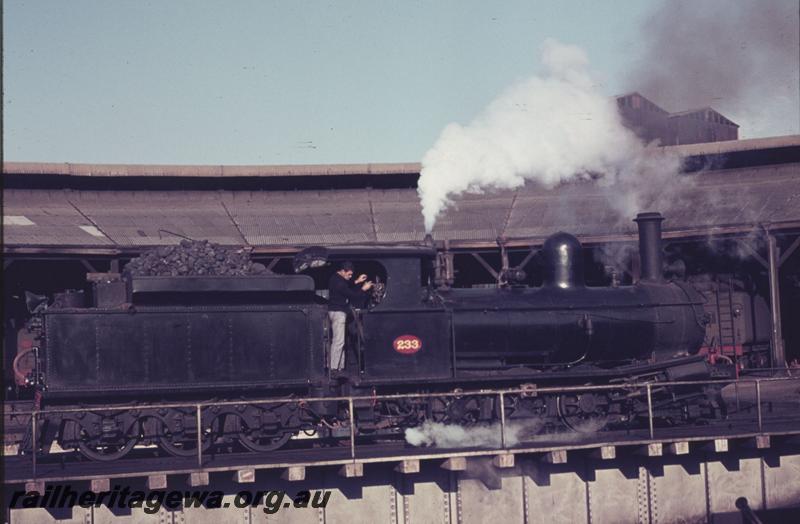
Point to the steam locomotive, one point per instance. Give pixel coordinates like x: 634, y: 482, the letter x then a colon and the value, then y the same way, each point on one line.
x: 167, y: 341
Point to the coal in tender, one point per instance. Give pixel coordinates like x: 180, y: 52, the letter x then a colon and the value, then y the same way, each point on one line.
x: 194, y: 258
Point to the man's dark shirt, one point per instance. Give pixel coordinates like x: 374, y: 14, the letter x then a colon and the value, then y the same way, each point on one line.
x: 342, y: 294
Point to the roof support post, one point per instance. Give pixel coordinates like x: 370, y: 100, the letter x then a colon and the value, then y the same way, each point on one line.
x: 502, y: 277
x: 774, y: 255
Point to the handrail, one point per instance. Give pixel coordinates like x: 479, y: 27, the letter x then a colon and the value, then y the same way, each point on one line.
x: 501, y: 393
x: 283, y: 400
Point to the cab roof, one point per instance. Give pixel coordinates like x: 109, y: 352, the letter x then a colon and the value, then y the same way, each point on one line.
x: 317, y: 256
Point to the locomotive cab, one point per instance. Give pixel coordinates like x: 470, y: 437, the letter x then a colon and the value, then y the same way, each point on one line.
x: 401, y: 331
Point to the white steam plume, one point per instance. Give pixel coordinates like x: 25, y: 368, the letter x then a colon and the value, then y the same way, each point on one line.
x: 453, y: 436
x: 547, y: 129
x: 485, y: 436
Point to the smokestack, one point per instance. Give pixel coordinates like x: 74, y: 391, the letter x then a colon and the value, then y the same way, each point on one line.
x: 650, y: 246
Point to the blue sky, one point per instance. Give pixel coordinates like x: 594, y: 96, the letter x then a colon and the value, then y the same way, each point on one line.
x: 268, y: 82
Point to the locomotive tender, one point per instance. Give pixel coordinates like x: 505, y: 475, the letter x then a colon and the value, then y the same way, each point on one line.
x: 205, y: 338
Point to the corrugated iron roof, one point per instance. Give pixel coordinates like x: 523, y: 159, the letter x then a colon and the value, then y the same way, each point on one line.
x: 731, y: 198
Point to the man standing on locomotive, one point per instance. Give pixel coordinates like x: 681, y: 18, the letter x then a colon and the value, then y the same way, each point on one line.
x: 341, y: 295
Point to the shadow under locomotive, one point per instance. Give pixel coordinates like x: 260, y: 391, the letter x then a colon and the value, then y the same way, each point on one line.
x: 200, y: 339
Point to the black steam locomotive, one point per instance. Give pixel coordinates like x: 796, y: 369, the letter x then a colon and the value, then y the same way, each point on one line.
x: 186, y: 339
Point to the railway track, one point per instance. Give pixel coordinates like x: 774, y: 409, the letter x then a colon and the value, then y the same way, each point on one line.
x: 148, y: 461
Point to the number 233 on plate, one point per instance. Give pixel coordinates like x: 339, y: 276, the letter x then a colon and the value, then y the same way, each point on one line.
x: 407, y: 344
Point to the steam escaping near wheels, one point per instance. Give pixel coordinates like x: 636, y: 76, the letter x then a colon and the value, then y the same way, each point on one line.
x: 440, y: 435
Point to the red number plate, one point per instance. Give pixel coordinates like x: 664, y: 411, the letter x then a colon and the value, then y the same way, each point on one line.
x: 407, y: 344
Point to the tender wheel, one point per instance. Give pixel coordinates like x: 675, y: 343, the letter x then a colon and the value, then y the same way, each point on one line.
x: 106, y: 452
x: 257, y: 429
x: 181, y: 441
x: 584, y: 412
x: 96, y: 447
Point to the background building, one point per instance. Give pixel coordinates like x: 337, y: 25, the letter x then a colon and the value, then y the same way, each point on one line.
x: 651, y: 122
